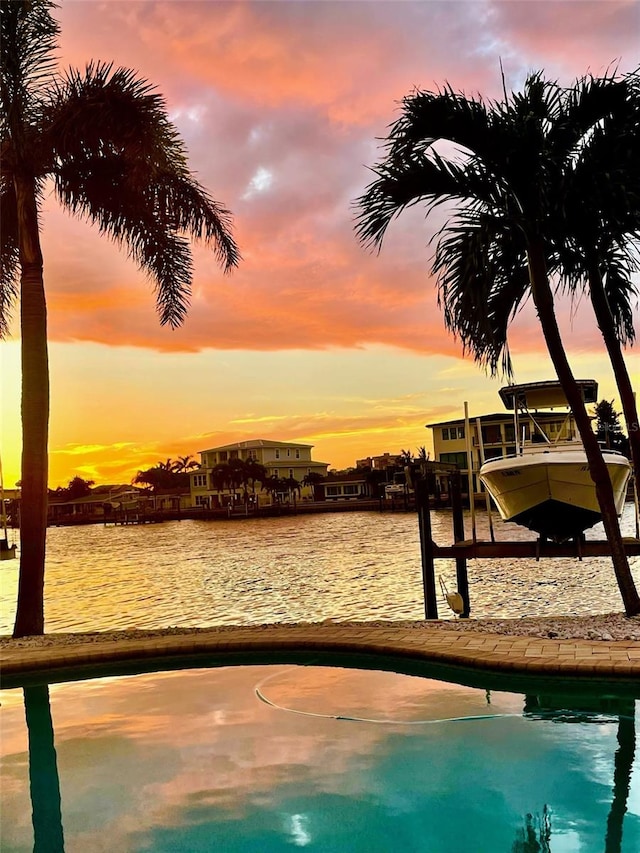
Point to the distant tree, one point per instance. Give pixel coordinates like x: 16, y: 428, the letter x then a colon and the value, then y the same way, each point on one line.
x: 374, y: 478
x: 405, y: 457
x: 255, y: 472
x: 75, y: 489
x: 184, y: 463
x: 79, y: 488
x: 608, y: 428
x: 160, y: 477
x: 276, y: 487
x: 313, y: 478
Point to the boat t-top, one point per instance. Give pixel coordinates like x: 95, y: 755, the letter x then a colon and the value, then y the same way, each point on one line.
x: 546, y: 486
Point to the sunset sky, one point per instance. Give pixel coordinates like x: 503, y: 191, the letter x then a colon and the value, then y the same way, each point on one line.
x: 314, y: 339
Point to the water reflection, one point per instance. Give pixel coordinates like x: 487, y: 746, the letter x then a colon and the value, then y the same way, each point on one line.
x: 535, y: 835
x: 193, y: 759
x: 354, y: 565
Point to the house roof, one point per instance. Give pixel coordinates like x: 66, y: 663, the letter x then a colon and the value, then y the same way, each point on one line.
x: 254, y: 443
x: 496, y: 416
x: 100, y: 494
x: 357, y: 476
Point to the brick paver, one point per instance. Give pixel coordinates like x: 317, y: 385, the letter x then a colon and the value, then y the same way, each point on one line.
x: 468, y: 648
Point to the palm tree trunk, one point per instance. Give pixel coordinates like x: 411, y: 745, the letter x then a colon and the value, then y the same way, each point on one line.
x: 35, y: 416
x: 543, y: 299
x: 607, y: 328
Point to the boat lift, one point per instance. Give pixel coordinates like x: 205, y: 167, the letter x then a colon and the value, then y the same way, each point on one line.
x: 462, y: 549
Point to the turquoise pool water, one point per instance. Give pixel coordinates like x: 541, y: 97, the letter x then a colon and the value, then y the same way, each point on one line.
x: 274, y: 758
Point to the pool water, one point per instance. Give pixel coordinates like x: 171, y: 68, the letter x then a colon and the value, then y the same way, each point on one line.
x: 274, y: 758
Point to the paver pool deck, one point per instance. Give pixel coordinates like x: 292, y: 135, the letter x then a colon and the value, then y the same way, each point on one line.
x: 468, y: 648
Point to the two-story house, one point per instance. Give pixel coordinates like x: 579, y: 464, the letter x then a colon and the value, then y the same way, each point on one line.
x: 286, y: 460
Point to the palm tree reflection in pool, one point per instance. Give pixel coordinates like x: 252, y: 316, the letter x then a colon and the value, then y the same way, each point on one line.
x: 44, y: 783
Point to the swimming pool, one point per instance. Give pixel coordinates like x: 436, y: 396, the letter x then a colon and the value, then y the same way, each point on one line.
x: 273, y: 758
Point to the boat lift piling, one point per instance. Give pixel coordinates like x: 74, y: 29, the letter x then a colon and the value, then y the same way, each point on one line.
x: 428, y: 472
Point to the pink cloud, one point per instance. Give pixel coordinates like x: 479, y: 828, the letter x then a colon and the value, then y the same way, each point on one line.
x: 280, y: 104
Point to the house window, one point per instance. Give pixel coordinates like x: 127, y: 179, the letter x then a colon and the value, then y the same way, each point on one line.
x: 460, y: 432
x: 459, y: 459
x: 445, y: 434
x: 288, y: 451
x: 291, y: 473
x: 277, y: 453
x: 491, y: 434
x: 333, y: 491
x: 297, y: 454
x: 202, y: 500
x: 252, y: 454
x: 276, y: 472
x: 199, y: 481
x: 494, y: 452
x: 223, y: 455
x: 233, y: 454
x: 350, y: 490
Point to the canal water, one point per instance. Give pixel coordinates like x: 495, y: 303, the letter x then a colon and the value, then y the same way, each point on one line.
x: 306, y: 568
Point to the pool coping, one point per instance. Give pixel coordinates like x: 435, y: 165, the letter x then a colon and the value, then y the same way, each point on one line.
x: 616, y: 660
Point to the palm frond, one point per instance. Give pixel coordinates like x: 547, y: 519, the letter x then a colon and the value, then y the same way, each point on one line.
x: 622, y: 294
x: 405, y: 180
x: 116, y: 117
x: 9, y: 255
x: 102, y: 191
x: 28, y: 41
x: 103, y: 110
x: 482, y: 279
x: 428, y: 117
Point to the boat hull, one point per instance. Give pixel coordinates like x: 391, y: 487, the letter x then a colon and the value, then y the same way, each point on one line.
x: 551, y: 492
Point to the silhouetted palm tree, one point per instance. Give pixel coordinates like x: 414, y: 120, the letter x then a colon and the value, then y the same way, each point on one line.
x: 255, y: 473
x: 184, y: 463
x: 312, y: 479
x: 499, y: 173
x: 104, y: 138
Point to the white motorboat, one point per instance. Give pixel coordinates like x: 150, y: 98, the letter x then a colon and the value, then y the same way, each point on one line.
x: 547, y: 486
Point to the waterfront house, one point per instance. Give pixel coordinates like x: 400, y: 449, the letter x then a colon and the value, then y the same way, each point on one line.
x: 281, y: 459
x: 99, y: 505
x: 495, y: 438
x: 349, y: 485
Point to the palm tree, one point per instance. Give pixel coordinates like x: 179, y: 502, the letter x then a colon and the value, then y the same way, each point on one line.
x: 255, y: 473
x: 312, y: 479
x: 104, y: 139
x: 600, y: 194
x: 507, y: 158
x: 184, y: 463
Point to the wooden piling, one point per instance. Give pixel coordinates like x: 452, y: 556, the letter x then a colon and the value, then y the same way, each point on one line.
x: 462, y: 578
x: 426, y: 549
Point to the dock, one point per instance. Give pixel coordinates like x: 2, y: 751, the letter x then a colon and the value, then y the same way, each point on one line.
x: 463, y: 549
